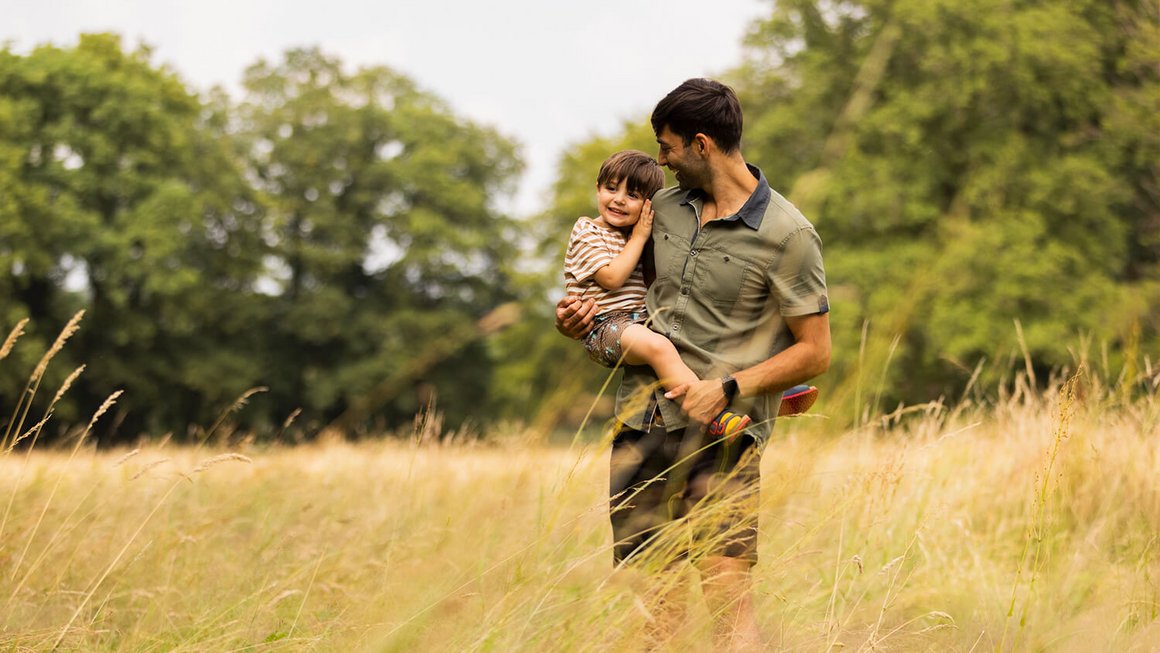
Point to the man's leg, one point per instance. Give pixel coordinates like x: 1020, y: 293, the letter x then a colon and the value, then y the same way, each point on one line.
x: 724, y: 490
x: 642, y: 511
x: 727, y: 587
x: 681, y: 493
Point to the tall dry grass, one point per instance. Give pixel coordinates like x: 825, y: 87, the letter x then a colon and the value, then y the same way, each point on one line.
x: 1028, y: 522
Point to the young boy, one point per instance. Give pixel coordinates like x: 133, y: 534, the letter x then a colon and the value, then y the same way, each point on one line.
x: 603, y: 263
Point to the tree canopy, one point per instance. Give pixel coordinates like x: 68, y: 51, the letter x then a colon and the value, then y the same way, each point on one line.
x: 969, y: 165
x: 332, y: 237
x: 984, y: 175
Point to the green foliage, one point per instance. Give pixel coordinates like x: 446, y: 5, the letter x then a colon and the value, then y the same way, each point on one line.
x: 119, y: 198
x: 968, y: 164
x: 386, y: 244
x: 334, y: 234
x: 334, y: 237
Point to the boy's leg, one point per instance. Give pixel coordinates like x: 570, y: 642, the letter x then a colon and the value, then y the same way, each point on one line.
x: 643, y: 346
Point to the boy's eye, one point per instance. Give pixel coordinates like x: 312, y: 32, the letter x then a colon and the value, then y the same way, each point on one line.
x: 634, y: 195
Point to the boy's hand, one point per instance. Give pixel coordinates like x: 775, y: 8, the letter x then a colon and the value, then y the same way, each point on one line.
x: 642, y: 230
x: 574, y: 317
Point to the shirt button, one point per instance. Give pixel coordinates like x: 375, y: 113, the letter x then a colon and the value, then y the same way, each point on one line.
x: 684, y: 290
x: 693, y: 253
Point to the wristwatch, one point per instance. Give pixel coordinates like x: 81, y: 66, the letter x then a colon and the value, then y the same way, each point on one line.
x: 729, y: 387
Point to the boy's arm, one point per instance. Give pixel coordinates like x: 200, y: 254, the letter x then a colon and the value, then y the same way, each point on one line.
x: 613, y: 275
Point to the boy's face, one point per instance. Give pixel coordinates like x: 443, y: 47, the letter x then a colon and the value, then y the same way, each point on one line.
x: 619, y: 208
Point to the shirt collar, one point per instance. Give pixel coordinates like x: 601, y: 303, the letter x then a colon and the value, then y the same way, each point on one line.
x: 752, y: 212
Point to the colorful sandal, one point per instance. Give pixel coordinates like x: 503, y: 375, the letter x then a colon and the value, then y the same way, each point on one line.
x: 728, y: 424
x: 797, y: 400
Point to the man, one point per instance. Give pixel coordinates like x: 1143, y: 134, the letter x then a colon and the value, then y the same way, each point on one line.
x: 740, y: 290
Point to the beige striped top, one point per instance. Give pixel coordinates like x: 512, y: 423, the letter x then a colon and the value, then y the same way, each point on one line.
x: 590, y: 248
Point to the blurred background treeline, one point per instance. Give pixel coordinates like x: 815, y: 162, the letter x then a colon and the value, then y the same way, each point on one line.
x: 985, y: 175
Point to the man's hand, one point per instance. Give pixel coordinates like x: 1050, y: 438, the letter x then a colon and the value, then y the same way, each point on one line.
x: 574, y: 317
x: 704, y: 400
x: 642, y: 230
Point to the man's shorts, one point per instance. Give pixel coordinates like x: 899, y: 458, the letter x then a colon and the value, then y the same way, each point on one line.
x: 603, y: 341
x: 683, y: 495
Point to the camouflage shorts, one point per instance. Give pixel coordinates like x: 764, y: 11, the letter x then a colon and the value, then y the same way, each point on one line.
x: 603, y: 341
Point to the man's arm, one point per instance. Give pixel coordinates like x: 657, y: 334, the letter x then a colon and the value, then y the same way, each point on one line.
x: 808, y: 357
x: 574, y: 316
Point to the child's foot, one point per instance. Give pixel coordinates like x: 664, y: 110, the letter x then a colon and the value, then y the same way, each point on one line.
x: 797, y: 400
x: 728, y: 424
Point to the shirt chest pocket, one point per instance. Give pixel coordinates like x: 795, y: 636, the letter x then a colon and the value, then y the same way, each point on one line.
x: 723, y: 279
x: 671, y: 253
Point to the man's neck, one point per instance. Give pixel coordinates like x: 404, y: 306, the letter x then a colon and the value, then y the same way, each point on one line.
x: 728, y: 188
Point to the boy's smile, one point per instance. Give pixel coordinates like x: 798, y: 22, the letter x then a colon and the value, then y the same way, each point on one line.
x: 619, y: 207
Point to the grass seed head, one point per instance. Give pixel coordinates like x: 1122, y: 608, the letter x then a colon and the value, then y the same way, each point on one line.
x: 13, y: 336
x: 67, y: 332
x: 210, y: 462
x: 108, y: 403
x: 67, y: 384
x: 127, y: 456
x: 144, y: 470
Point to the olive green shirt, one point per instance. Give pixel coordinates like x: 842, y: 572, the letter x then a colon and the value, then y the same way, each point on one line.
x: 721, y: 294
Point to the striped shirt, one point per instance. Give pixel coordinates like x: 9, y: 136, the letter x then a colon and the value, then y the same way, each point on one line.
x: 590, y: 248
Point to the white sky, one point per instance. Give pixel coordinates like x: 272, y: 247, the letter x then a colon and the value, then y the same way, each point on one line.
x: 547, y: 73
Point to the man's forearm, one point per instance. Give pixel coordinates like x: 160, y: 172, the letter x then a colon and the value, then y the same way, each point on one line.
x: 797, y: 364
x: 808, y: 357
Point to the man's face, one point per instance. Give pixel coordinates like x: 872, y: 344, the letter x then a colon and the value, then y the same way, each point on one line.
x: 689, y: 168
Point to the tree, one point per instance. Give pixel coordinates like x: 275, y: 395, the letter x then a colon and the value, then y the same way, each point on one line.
x: 387, y: 247
x: 968, y: 164
x: 120, y: 196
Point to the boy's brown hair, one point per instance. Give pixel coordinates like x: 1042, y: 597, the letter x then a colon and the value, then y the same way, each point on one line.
x: 640, y: 172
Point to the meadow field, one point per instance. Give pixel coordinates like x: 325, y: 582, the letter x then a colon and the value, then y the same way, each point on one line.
x: 1028, y: 523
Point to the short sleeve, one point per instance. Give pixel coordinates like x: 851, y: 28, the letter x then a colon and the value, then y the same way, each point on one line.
x: 587, y: 251
x: 798, y: 277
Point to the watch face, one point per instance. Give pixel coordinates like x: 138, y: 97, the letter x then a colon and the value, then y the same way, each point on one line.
x: 729, y: 385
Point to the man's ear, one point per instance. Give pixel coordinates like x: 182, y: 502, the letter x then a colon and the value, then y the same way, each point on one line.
x: 701, y: 144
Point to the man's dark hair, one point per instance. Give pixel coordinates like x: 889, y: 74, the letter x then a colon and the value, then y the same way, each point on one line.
x: 640, y: 172
x: 701, y: 106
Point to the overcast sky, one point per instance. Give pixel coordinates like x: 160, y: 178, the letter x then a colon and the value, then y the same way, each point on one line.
x: 544, y: 72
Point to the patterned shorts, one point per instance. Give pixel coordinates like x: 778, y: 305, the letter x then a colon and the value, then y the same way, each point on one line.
x: 603, y: 341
